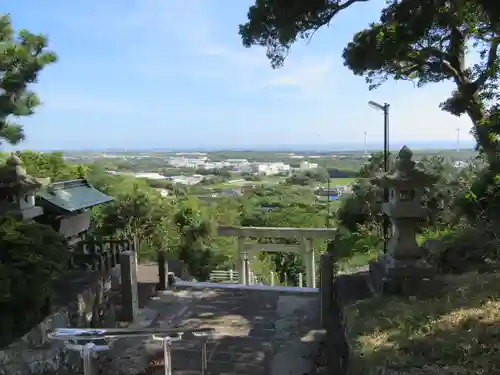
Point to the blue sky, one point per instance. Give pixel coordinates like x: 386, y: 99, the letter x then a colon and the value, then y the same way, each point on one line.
x: 173, y: 73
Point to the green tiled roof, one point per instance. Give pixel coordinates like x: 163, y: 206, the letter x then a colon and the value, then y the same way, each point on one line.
x: 70, y: 196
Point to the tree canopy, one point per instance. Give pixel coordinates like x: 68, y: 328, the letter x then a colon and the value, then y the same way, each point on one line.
x: 22, y: 57
x: 422, y: 41
x: 278, y: 24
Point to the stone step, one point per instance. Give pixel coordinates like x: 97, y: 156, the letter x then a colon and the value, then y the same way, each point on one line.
x: 246, y: 338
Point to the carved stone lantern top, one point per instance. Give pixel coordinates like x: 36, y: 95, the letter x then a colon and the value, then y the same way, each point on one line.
x: 406, y: 187
x: 14, y: 179
x: 407, y: 174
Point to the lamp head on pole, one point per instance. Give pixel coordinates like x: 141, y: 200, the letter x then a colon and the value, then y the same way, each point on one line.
x: 375, y: 105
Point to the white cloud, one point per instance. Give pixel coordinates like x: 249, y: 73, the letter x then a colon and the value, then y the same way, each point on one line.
x: 160, y: 39
x: 69, y: 101
x: 306, y: 76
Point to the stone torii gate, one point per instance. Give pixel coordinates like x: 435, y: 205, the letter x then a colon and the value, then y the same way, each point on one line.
x: 304, y: 235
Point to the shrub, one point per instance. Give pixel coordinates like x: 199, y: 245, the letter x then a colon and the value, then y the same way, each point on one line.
x: 464, y: 249
x: 32, y: 255
x: 362, y: 206
x: 356, y: 249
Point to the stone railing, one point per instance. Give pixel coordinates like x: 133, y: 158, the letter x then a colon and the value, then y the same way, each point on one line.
x: 91, y: 343
x: 81, y: 298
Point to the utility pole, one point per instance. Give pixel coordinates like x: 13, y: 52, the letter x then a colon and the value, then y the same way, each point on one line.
x: 458, y: 139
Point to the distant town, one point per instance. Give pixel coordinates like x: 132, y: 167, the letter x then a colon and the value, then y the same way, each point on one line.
x: 200, y: 161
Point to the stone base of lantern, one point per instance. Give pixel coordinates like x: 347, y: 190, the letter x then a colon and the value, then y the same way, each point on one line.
x: 410, y: 277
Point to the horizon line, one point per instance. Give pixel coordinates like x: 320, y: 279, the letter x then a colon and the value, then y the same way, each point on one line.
x: 342, y: 146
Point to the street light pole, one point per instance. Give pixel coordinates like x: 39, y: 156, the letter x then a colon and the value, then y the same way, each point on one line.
x: 386, y: 138
x: 385, y: 109
x: 328, y: 204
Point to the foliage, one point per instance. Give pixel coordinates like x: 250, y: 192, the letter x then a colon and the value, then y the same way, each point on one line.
x: 32, y: 255
x: 354, y: 249
x: 214, y: 180
x: 456, y: 248
x: 22, y: 58
x: 277, y: 24
x: 427, y: 42
x: 193, y: 250
x: 362, y: 206
x: 482, y: 197
x: 160, y: 184
x: 136, y: 211
x: 225, y: 173
x: 308, y: 177
x: 376, y: 164
x: 442, y: 198
x: 419, y: 41
x: 251, y: 177
x: 184, y: 225
x: 179, y: 226
x: 51, y: 165
x: 463, y: 249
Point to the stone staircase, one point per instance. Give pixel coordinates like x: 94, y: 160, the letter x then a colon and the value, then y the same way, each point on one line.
x: 258, y: 332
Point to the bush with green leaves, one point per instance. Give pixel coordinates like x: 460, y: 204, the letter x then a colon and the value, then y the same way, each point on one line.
x: 194, y: 232
x: 308, y: 177
x: 463, y: 248
x: 32, y: 256
x: 481, y: 198
x: 362, y: 206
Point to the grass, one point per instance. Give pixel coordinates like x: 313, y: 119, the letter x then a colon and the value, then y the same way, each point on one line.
x: 356, y: 261
x: 457, y: 332
x: 341, y: 181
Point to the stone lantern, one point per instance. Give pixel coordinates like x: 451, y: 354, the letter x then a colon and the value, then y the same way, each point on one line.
x: 403, y: 266
x: 18, y: 190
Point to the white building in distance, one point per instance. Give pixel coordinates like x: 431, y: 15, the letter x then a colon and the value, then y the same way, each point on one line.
x: 305, y: 166
x: 150, y: 176
x: 187, y: 162
x: 187, y: 180
x: 270, y: 169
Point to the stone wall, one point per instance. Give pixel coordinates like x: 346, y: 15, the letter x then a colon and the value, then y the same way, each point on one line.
x: 348, y: 289
x: 81, y: 299
x: 337, y: 346
x: 337, y: 292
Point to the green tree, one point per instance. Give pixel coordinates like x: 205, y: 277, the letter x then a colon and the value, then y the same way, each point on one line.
x: 193, y: 249
x: 135, y: 212
x: 32, y: 256
x: 51, y: 165
x: 421, y: 41
x: 362, y: 206
x: 375, y: 164
x: 22, y: 57
x: 308, y: 177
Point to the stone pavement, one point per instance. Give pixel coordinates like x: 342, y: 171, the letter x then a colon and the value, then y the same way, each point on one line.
x: 246, y: 341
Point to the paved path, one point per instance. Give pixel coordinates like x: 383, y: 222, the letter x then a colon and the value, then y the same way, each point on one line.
x: 245, y: 342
